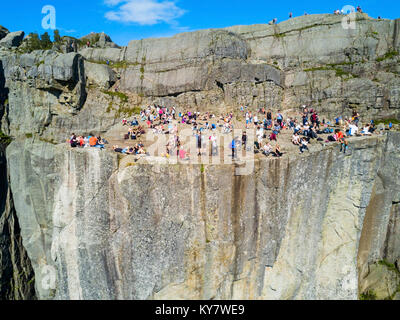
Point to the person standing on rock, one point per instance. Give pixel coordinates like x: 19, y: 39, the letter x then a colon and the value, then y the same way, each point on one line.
x: 290, y: 15
x: 344, y: 145
x: 234, y: 147
x: 214, y: 145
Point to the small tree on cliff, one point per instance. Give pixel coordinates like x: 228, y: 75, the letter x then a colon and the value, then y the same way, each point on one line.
x: 45, y: 41
x: 57, y: 37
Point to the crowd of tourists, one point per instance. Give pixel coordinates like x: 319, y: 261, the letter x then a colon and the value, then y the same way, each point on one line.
x: 268, y: 126
x: 89, y: 141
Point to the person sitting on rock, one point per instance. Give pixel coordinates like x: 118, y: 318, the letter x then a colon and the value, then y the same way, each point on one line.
x: 92, y: 141
x: 73, y: 141
x: 365, y: 131
x: 267, y: 149
x: 303, y: 145
x: 117, y: 149
x: 296, y: 139
x: 277, y: 153
x: 273, y: 137
x: 135, y: 122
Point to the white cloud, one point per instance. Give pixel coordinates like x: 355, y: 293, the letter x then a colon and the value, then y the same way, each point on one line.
x: 144, y: 12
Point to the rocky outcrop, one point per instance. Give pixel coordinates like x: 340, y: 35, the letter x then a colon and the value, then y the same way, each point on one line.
x: 99, y: 75
x: 3, y: 32
x: 42, y: 85
x: 12, y: 39
x: 314, y: 59
x: 98, y: 40
x: 114, y: 231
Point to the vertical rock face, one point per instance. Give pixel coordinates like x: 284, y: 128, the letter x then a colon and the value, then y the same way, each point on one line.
x: 296, y: 228
x: 290, y: 230
x: 16, y: 273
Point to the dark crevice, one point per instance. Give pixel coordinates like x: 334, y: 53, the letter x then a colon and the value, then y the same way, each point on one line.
x: 220, y: 85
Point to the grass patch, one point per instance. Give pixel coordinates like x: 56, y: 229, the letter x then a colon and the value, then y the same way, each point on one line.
x: 29, y: 135
x: 386, y: 121
x: 317, y: 69
x: 123, y: 97
x: 51, y: 141
x: 115, y: 65
x: 333, y: 67
x: 388, y: 265
x: 279, y: 35
x: 38, y: 64
x: 388, y: 55
x: 128, y: 111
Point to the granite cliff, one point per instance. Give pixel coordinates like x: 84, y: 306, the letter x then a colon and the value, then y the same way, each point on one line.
x: 302, y: 227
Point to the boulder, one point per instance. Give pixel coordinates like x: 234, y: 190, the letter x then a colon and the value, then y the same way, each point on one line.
x: 100, y: 75
x: 13, y: 39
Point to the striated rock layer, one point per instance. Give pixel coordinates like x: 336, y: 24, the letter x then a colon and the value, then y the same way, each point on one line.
x: 289, y: 230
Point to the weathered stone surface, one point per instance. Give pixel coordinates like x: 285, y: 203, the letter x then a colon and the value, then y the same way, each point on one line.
x: 112, y: 231
x: 380, y: 234
x: 99, y: 75
x: 16, y: 273
x: 41, y: 85
x: 12, y: 39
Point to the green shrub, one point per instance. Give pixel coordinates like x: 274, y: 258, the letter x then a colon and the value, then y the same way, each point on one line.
x: 122, y: 96
x: 5, y: 139
x: 388, y: 55
x: 386, y: 121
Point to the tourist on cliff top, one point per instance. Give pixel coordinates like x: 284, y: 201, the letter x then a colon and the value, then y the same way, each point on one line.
x: 117, y: 149
x: 366, y: 131
x: 290, y: 15
x: 296, y: 139
x: 344, y: 145
x: 214, y: 145
x: 73, y: 141
x: 303, y: 145
x: 267, y: 149
x: 353, y: 129
x: 244, y: 140
x: 234, y: 146
x: 356, y: 117
x: 269, y: 118
x: 277, y: 152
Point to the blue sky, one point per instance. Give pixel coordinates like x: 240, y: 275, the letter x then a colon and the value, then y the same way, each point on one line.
x: 126, y: 20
